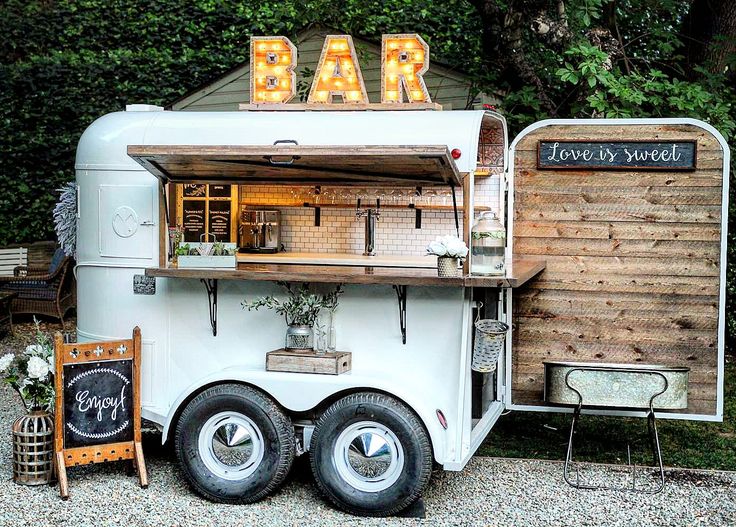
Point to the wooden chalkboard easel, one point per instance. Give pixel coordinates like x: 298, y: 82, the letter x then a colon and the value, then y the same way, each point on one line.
x: 104, y: 377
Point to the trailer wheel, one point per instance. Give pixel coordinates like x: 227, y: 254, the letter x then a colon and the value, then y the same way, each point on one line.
x: 234, y: 444
x: 371, y: 455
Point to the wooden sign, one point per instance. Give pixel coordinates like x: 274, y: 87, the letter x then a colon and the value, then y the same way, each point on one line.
x: 98, y: 410
x: 616, y: 155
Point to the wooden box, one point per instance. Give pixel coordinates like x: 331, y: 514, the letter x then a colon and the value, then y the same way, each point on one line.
x: 308, y: 361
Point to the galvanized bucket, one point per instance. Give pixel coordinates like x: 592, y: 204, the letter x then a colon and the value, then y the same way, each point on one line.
x: 299, y: 338
x: 490, y: 336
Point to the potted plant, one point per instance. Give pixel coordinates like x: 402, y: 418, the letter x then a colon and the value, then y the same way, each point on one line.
x: 206, y: 254
x: 31, y: 374
x: 450, y: 250
x: 300, y: 311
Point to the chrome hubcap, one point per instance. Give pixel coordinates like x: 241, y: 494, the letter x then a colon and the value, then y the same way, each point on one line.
x: 368, y: 456
x: 230, y: 445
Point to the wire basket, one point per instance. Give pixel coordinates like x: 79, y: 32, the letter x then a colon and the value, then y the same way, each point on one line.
x: 490, y: 336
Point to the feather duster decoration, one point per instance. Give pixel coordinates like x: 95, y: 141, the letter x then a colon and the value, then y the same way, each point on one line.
x: 65, y: 218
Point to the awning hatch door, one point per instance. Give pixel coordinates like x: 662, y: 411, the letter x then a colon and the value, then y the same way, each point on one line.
x: 422, y: 165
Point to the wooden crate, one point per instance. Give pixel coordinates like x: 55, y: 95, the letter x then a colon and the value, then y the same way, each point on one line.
x: 308, y: 361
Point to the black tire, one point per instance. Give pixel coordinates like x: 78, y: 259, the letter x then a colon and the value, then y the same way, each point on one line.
x: 345, y: 418
x: 268, y: 462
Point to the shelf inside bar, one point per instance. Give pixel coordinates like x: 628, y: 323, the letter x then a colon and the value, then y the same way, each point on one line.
x: 367, y: 203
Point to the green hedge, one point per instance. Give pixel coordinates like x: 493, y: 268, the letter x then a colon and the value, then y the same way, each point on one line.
x: 65, y: 63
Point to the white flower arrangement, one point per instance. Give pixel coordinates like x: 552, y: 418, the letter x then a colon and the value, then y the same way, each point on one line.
x: 5, y: 361
x: 31, y: 373
x: 450, y: 246
x: 37, y: 368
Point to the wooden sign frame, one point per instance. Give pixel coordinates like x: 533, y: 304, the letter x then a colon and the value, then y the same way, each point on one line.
x: 115, y: 350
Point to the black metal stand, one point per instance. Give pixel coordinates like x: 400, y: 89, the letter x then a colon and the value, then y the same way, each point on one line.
x: 210, y: 284
x: 401, y: 295
x: 653, y: 441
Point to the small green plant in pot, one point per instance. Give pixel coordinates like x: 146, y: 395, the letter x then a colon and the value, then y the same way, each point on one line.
x: 300, y: 311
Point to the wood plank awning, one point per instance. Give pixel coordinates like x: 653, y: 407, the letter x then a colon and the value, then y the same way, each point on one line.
x: 311, y: 165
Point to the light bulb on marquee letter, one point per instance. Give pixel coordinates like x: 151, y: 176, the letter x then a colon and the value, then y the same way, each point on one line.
x: 404, y: 59
x: 338, y: 73
x: 272, y: 63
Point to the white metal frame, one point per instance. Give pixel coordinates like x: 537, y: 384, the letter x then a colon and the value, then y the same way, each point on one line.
x: 718, y: 416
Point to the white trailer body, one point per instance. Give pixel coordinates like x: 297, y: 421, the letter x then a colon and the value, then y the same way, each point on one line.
x: 180, y: 354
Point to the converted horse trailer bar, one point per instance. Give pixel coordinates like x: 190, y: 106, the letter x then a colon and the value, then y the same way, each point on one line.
x: 613, y: 263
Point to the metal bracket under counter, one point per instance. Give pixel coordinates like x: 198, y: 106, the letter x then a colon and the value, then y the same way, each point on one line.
x: 401, y: 296
x: 210, y: 284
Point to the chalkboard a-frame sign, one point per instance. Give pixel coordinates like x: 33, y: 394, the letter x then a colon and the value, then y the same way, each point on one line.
x: 98, y: 408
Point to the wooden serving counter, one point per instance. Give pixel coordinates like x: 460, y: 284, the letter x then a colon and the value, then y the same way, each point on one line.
x: 522, y: 270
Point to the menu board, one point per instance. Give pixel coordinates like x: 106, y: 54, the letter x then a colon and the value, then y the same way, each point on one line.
x: 220, y: 191
x: 193, y: 222
x: 220, y: 220
x: 194, y: 191
x: 206, y: 209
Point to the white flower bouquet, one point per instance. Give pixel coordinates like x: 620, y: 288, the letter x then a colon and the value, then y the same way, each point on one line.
x: 31, y: 373
x: 448, y: 246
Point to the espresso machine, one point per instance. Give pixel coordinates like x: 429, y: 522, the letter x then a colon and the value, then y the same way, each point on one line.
x: 260, y: 231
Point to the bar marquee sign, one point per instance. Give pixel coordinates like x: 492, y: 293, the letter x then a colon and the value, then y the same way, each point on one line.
x: 404, y: 60
x: 617, y: 155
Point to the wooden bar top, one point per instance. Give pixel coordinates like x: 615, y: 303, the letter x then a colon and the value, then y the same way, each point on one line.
x: 522, y: 270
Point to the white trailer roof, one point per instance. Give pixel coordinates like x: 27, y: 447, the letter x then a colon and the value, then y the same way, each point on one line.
x: 103, y: 146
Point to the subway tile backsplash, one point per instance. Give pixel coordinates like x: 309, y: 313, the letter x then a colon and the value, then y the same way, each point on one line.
x: 341, y: 232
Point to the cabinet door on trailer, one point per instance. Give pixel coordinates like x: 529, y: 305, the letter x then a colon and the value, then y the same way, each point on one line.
x: 630, y: 218
x: 126, y: 223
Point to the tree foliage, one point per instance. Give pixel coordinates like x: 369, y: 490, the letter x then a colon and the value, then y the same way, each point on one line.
x: 67, y: 62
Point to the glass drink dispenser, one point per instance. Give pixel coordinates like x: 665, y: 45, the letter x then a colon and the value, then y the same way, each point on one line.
x: 487, y: 245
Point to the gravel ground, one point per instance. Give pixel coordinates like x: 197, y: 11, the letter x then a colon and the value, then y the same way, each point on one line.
x: 489, y: 491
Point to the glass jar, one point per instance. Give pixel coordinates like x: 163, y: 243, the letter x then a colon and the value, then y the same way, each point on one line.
x: 487, y: 246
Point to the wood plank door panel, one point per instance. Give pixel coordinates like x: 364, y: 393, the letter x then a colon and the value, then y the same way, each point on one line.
x: 633, y: 261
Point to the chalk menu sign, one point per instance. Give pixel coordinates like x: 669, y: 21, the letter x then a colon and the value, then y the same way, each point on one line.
x: 220, y: 191
x: 220, y: 220
x: 193, y: 213
x: 98, y: 403
x: 97, y: 410
x: 617, y: 155
x: 194, y: 191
